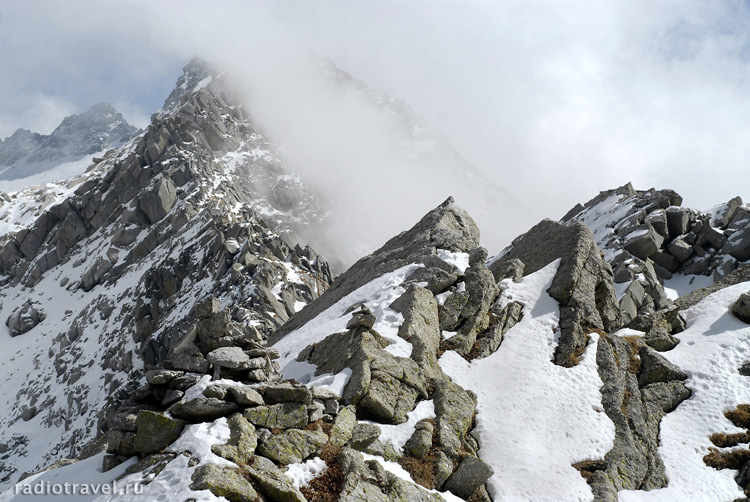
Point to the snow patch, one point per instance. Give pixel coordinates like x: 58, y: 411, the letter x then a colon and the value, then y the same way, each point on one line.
x: 681, y: 285
x: 399, y: 434
x: 199, y: 438
x: 301, y: 474
x: 459, y: 260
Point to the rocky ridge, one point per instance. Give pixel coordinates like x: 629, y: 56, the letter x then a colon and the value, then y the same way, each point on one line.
x: 384, y: 388
x: 647, y: 237
x: 223, y: 373
x: 451, y: 289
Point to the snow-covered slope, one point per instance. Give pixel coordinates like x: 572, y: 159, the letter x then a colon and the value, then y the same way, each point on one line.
x: 536, y: 416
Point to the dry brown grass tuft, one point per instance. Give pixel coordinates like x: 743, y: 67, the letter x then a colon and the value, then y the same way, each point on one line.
x: 600, y: 332
x: 572, y: 359
x: 421, y: 470
x: 733, y: 459
x: 587, y: 468
x: 327, y: 486
x: 473, y: 353
x: 740, y: 416
x: 728, y: 440
x: 635, y: 342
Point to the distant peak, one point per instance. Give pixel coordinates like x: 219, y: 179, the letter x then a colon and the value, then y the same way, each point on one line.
x: 21, y: 133
x: 101, y: 115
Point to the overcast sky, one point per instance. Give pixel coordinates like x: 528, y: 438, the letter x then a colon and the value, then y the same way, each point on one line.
x: 552, y: 100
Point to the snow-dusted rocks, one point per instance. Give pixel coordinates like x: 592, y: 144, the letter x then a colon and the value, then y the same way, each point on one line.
x: 157, y: 202
x: 383, y: 386
x: 480, y: 293
x: 644, y: 252
x: 117, y: 257
x: 223, y: 482
x: 421, y: 326
x: 24, y: 318
x: 634, y: 462
x: 423, y: 373
x: 446, y: 227
x: 643, y: 242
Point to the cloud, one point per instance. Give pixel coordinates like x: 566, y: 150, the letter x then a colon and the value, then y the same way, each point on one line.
x: 554, y: 101
x: 36, y: 112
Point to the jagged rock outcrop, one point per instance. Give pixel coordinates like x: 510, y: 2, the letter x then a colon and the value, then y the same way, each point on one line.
x: 386, y: 388
x: 502, y: 318
x: 382, y: 386
x: 637, y: 393
x: 480, y: 293
x: 447, y: 227
x: 421, y: 327
x: 583, y: 285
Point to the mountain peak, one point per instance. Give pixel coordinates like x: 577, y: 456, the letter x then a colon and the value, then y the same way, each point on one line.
x: 195, y: 74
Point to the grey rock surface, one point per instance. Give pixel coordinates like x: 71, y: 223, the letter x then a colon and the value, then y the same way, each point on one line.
x: 25, y: 318
x: 155, y: 431
x: 583, y: 285
x: 292, y: 446
x: 382, y: 386
x: 470, y: 475
x: 223, y: 482
x: 202, y: 409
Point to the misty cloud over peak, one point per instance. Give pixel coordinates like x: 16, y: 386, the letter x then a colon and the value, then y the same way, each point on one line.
x: 552, y: 102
